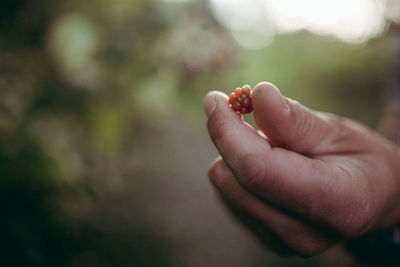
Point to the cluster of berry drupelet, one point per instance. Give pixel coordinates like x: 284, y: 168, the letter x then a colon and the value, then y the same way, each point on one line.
x: 240, y: 100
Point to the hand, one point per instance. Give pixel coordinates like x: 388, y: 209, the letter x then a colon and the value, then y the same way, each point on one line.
x: 309, y: 181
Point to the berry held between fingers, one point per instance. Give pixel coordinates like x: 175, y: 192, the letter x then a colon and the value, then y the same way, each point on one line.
x: 240, y: 100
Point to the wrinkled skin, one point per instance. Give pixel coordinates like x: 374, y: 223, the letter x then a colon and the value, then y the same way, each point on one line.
x: 307, y: 180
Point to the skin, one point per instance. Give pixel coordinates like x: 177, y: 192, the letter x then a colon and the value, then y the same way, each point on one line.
x: 307, y: 180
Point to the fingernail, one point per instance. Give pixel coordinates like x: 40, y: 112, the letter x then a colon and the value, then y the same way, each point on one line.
x: 209, y: 106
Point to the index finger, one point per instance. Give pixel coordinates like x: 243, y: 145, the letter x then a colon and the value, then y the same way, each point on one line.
x: 237, y: 142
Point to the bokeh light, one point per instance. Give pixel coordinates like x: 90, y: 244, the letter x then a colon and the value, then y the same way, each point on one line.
x: 254, y: 22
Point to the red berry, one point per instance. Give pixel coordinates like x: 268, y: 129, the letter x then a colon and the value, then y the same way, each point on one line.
x: 240, y: 100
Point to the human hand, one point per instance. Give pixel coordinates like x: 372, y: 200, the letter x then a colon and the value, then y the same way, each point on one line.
x: 312, y: 180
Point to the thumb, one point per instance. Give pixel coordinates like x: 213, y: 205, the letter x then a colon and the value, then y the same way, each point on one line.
x: 289, y: 124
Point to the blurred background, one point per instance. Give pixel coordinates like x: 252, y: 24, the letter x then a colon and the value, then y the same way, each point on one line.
x: 103, y: 143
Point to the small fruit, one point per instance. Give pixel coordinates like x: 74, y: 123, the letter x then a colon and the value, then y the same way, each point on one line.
x: 240, y: 100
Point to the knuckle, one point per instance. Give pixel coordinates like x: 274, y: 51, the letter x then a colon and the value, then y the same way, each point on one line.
x: 352, y: 222
x: 305, y: 121
x: 251, y: 173
x: 301, y: 119
x: 296, y: 111
x: 352, y: 225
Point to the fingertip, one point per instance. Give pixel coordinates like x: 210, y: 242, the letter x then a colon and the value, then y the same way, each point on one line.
x: 218, y: 172
x: 211, y: 100
x: 265, y: 91
x: 265, y: 86
x: 268, y: 101
x: 213, y: 164
x: 215, y: 93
